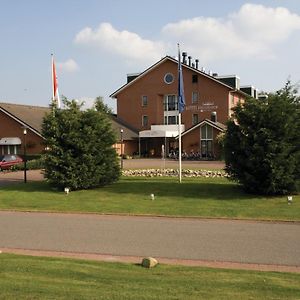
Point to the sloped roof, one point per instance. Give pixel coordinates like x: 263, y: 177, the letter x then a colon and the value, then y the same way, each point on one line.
x: 26, y: 115
x: 129, y: 133
x: 114, y: 94
x: 32, y: 117
x: 219, y: 126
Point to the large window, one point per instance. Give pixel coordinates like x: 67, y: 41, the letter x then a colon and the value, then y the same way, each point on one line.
x: 170, y: 110
x: 207, y: 141
x: 171, y: 120
x: 170, y: 103
x: 10, y: 149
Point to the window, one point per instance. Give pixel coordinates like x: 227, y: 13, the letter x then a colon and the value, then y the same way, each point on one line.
x: 207, y: 141
x: 170, y: 103
x: 194, y: 78
x: 206, y: 132
x: 232, y: 99
x: 195, y: 97
x: 171, y: 120
x: 195, y: 119
x: 145, y: 121
x: 170, y: 110
x: 144, y: 100
x: 169, y: 78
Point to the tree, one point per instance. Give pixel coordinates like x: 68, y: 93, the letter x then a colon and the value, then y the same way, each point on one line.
x: 262, y: 143
x: 79, y: 143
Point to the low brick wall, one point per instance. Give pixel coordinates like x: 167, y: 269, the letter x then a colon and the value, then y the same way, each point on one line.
x: 174, y: 173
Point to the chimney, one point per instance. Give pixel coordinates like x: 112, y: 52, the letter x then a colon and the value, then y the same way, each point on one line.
x: 197, y: 62
x: 190, y: 60
x: 213, y: 116
x: 184, y: 55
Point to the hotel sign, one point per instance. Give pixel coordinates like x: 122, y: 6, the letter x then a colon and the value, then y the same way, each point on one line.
x: 206, y: 106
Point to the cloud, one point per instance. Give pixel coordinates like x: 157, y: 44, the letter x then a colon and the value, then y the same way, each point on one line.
x: 88, y: 102
x: 125, y: 43
x: 251, y: 32
x: 69, y: 65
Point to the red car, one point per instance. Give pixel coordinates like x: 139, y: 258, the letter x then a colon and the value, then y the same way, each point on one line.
x: 9, y: 160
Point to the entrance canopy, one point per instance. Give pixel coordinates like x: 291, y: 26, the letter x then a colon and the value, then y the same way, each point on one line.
x: 161, y: 131
x: 10, y: 141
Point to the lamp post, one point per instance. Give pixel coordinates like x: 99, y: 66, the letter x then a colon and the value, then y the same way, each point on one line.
x: 25, y: 158
x: 121, y: 132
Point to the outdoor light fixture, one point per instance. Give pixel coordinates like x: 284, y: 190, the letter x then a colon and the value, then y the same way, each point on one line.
x: 25, y: 158
x: 121, y: 132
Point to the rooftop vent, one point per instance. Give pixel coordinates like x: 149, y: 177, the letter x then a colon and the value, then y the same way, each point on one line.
x: 190, y: 60
x: 184, y: 55
x: 213, y: 116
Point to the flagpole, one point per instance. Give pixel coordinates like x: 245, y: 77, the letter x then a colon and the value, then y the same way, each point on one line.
x: 181, y: 106
x: 52, y: 76
x: 179, y: 148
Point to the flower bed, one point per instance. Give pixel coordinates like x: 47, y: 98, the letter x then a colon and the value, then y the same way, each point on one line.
x: 174, y: 173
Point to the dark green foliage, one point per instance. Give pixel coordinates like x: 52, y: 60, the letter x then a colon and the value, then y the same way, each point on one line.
x: 80, y: 153
x: 262, y: 143
x: 34, y: 164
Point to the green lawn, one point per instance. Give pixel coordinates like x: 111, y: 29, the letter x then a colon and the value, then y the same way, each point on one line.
x: 26, y: 277
x: 203, y: 197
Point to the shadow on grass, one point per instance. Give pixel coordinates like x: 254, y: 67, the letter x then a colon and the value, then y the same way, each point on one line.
x: 34, y: 186
x: 189, y: 189
x: 218, y: 189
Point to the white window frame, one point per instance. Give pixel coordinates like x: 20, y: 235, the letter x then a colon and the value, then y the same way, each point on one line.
x: 170, y: 113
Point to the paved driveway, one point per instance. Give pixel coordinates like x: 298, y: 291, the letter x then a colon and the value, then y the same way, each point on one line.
x: 7, y: 178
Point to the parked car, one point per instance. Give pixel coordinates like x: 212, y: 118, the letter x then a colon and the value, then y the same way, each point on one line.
x: 9, y: 160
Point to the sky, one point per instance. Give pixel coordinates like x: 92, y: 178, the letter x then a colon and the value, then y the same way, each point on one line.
x: 97, y: 43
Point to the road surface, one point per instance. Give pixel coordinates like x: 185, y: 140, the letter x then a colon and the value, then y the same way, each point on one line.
x: 173, y: 238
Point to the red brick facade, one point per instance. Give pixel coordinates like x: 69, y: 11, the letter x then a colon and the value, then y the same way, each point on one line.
x: 11, y: 128
x: 204, y: 94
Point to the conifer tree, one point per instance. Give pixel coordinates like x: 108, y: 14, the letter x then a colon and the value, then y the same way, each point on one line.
x: 79, y: 143
x: 262, y: 143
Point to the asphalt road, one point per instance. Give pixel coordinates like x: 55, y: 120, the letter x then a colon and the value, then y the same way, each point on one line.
x: 212, y: 240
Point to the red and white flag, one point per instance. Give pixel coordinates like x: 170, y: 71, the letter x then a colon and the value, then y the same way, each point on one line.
x: 55, y: 94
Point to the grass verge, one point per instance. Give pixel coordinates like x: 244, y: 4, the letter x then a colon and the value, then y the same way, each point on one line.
x: 200, y: 197
x: 26, y: 277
